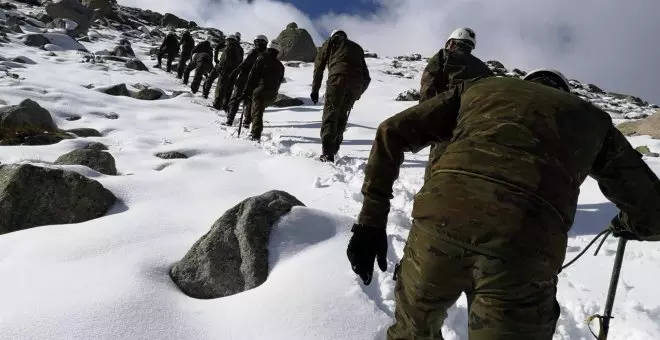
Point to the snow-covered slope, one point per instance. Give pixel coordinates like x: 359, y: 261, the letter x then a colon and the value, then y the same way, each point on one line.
x: 108, y: 278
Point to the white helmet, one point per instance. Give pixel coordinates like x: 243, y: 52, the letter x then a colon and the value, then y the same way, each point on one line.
x: 233, y: 37
x: 274, y: 45
x: 544, y: 72
x: 335, y: 32
x: 464, y: 33
x: 261, y: 37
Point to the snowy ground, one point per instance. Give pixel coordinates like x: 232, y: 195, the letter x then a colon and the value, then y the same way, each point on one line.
x: 107, y: 278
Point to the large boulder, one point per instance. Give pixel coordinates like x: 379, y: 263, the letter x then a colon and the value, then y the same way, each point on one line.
x: 153, y: 18
x: 149, y: 94
x: 233, y: 256
x: 103, y: 6
x: 171, y: 20
x: 28, y: 114
x: 97, y: 160
x: 286, y: 101
x: 32, y: 196
x: 62, y: 41
x: 296, y: 44
x: 649, y: 126
x: 136, y: 64
x: 73, y: 10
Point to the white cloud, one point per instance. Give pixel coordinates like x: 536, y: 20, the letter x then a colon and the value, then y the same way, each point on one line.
x: 613, y: 44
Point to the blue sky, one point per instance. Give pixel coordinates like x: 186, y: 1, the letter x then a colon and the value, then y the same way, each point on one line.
x: 315, y: 8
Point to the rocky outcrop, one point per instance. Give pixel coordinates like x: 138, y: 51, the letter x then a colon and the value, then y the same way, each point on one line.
x: 136, y: 64
x: 233, y: 256
x: 409, y: 95
x: 171, y: 20
x: 296, y: 44
x: 73, y: 10
x: 97, y: 160
x: 32, y: 196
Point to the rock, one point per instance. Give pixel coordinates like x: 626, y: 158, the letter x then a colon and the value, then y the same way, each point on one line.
x: 32, y: 196
x: 72, y: 10
x: 26, y: 115
x: 100, y: 161
x: 370, y: 55
x: 8, y: 6
x: 112, y: 115
x: 233, y: 256
x: 192, y: 24
x: 104, y: 6
x: 151, y: 17
x: 632, y: 99
x: 286, y: 101
x: 594, y: 88
x: 178, y: 93
x: 72, y: 118
x: 44, y: 18
x: 149, y: 94
x: 495, y: 64
x: 171, y: 155
x: 30, y: 2
x: 171, y: 20
x: 412, y: 57
x: 408, y: 95
x: 17, y: 29
x: 648, y: 126
x: 62, y: 41
x: 296, y: 44
x: 35, y: 40
x: 293, y: 64
x: 85, y: 132
x: 96, y: 146
x: 66, y: 24
x: 124, y: 42
x: 115, y: 90
x: 23, y: 60
x: 136, y: 64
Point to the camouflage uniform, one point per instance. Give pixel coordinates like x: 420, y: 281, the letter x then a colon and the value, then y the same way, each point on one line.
x: 187, y: 45
x: 243, y: 71
x: 202, y: 63
x: 170, y: 46
x: 492, y: 220
x: 443, y: 69
x: 203, y: 47
x: 348, y: 79
x: 263, y: 83
x: 230, y: 59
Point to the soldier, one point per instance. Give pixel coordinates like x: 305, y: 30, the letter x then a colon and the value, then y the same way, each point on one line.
x: 170, y: 46
x: 230, y: 59
x: 492, y: 220
x: 242, y: 71
x: 262, y: 86
x: 348, y: 79
x: 202, y: 63
x: 187, y: 45
x: 452, y: 64
x: 203, y: 47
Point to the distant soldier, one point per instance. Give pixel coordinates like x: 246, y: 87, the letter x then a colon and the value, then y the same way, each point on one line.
x: 452, y: 64
x: 170, y: 46
x: 187, y: 45
x: 230, y: 59
x: 202, y: 63
x: 263, y: 85
x: 243, y: 71
x: 348, y: 79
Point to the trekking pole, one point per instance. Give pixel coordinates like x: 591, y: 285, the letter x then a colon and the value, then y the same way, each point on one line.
x: 611, y: 293
x: 240, y: 121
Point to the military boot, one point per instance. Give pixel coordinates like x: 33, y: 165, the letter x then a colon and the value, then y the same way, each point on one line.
x: 327, y: 158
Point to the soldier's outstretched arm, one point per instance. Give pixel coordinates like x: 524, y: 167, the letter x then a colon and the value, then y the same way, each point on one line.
x: 366, y: 78
x: 408, y: 131
x: 253, y: 78
x: 432, y: 71
x: 627, y: 181
x: 319, y: 65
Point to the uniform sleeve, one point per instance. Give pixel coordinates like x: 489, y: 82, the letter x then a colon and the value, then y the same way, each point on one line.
x: 253, y: 78
x: 216, y: 52
x: 319, y: 65
x: 366, y: 78
x: 627, y: 181
x: 432, y: 72
x: 249, y: 61
x: 408, y: 131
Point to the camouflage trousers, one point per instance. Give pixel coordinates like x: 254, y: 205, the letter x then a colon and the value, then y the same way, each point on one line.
x: 341, y: 93
x: 201, y: 67
x: 260, y: 101
x: 507, y: 299
x: 182, y: 65
x: 170, y: 59
x: 234, y: 103
x: 223, y: 90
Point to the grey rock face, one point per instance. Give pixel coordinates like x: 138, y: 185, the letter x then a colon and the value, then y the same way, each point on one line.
x: 85, y: 132
x: 296, y: 44
x: 148, y: 94
x: 409, y: 95
x: 100, y: 161
x: 116, y: 90
x: 171, y: 155
x: 286, y: 101
x: 35, y: 40
x: 136, y: 64
x: 33, y: 196
x: 233, y: 256
x: 96, y: 146
x: 72, y: 10
x: 172, y: 20
x: 27, y: 114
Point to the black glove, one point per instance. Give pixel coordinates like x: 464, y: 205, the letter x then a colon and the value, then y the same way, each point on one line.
x: 618, y: 230
x: 366, y: 245
x: 314, y: 97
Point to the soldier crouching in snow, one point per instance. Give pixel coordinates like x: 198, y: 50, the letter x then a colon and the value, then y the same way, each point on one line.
x: 492, y: 219
x: 202, y: 63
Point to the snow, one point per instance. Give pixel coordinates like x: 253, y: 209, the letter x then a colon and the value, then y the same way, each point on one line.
x: 108, y: 278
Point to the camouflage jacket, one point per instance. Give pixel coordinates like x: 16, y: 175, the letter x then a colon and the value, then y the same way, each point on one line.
x: 203, y: 47
x: 170, y: 43
x: 231, y: 57
x: 216, y: 51
x: 243, y: 70
x: 447, y: 67
x: 531, y: 138
x: 187, y: 45
x: 341, y: 56
x: 266, y: 76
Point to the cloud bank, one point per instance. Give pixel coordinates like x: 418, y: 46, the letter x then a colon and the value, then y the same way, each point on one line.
x: 613, y: 44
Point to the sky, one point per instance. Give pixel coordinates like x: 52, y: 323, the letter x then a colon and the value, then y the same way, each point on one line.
x: 611, y: 43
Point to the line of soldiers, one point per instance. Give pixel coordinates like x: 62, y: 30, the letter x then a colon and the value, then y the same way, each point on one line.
x: 253, y: 81
x: 500, y: 194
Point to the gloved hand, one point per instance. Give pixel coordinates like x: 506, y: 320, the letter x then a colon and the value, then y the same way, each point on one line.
x: 314, y: 97
x: 618, y: 230
x: 366, y: 245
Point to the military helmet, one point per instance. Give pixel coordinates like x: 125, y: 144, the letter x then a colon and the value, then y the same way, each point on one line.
x: 261, y: 37
x: 337, y: 32
x: 464, y: 33
x: 232, y: 37
x: 274, y: 45
x: 560, y: 79
x: 238, y: 36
